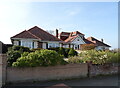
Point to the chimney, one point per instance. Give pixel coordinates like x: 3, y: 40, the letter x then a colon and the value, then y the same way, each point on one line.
x: 57, y: 33
x: 101, y: 40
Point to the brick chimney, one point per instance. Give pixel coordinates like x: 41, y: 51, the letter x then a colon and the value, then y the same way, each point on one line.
x: 57, y: 33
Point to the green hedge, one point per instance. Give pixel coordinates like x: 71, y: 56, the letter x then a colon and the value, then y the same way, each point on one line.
x: 39, y: 58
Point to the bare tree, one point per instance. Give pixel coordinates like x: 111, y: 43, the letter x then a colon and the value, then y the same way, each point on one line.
x: 51, y: 32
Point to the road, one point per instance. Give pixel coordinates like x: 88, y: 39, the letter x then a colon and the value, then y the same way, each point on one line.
x: 94, y: 81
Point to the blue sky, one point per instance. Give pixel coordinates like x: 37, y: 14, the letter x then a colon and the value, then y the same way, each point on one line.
x: 97, y: 19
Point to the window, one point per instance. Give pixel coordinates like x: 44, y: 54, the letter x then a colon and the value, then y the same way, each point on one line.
x: 16, y: 42
x: 27, y: 44
x: 50, y: 45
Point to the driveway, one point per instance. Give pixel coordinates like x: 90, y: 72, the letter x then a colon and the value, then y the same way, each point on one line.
x: 99, y: 81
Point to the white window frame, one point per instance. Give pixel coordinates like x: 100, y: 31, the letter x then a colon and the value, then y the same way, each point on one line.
x: 27, y: 43
x: 53, y: 45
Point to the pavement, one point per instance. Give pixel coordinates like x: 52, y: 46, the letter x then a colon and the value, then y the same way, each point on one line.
x: 94, y: 82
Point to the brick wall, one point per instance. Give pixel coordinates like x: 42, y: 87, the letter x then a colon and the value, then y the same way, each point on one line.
x: 106, y: 69
x: 46, y: 73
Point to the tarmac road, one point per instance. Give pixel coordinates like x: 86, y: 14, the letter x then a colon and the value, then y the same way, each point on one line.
x: 98, y: 81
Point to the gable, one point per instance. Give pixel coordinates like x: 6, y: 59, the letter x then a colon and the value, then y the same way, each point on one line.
x: 78, y: 40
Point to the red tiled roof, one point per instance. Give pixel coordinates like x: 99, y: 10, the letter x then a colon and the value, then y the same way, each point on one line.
x: 68, y: 33
x: 77, y: 32
x: 97, y: 42
x: 37, y: 33
x: 64, y: 33
x: 70, y: 39
x: 87, y: 41
x: 25, y: 34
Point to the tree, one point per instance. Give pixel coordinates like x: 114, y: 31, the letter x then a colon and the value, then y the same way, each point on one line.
x: 51, y: 32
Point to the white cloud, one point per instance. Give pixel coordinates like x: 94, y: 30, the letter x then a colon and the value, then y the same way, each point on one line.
x: 74, y: 11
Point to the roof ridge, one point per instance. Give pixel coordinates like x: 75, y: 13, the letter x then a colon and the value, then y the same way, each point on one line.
x: 44, y: 31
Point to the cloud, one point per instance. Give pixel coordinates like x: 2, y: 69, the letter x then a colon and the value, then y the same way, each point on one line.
x: 73, y: 12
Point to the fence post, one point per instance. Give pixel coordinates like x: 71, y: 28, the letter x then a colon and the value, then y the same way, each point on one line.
x: 3, y: 64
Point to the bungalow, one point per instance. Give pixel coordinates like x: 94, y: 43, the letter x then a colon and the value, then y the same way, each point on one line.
x: 38, y: 38
x: 77, y: 39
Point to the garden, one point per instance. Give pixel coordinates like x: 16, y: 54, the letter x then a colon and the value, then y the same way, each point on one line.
x: 19, y: 56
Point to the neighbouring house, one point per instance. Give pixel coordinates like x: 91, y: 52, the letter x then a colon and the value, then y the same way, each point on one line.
x: 100, y: 45
x: 36, y: 38
x: 76, y: 39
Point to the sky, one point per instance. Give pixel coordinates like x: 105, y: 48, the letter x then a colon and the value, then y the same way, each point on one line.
x: 97, y: 19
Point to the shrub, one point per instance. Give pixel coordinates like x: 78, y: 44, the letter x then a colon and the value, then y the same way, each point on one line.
x: 66, y: 52
x: 61, y: 51
x: 21, y: 48
x: 75, y: 59
x: 100, y: 57
x: 13, y: 56
x: 40, y: 58
x: 72, y: 52
x: 14, y: 53
x: 33, y: 50
x: 113, y: 57
x: 55, y: 49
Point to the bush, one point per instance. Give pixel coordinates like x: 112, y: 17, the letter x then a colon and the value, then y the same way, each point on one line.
x: 14, y: 53
x: 33, y: 50
x: 61, y: 51
x: 40, y: 58
x: 100, y: 57
x: 75, y: 59
x: 55, y: 49
x: 66, y: 52
x: 21, y: 49
x: 13, y: 56
x: 72, y: 52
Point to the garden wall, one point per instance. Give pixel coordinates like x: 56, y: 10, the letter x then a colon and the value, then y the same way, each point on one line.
x: 106, y: 69
x: 15, y: 74
x: 46, y: 73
